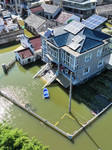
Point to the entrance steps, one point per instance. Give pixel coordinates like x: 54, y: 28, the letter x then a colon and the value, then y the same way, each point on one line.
x: 50, y: 81
x: 41, y: 71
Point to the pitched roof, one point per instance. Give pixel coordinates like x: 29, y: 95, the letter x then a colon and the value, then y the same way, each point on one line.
x: 86, y: 40
x: 93, y: 39
x: 34, y: 21
x: 97, y: 35
x: 49, y: 8
x: 89, y: 44
x: 36, y: 9
x: 25, y: 53
x: 36, y: 42
x: 61, y: 39
x: 63, y: 16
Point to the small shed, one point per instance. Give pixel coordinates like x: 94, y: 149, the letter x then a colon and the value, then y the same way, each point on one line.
x: 50, y: 11
x: 24, y: 56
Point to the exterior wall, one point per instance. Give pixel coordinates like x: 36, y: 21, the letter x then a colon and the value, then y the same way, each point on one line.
x: 51, y: 51
x: 26, y: 44
x: 39, y: 13
x: 92, y: 63
x: 24, y: 61
x: 31, y: 29
x: 10, y: 36
x: 107, y: 14
x: 57, y: 11
x: 51, y: 16
x: 84, y: 10
x: 56, y: 2
x: 99, y: 2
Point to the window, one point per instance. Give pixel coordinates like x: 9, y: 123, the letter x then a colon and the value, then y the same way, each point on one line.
x: 88, y: 57
x: 46, y: 16
x: 100, y: 63
x: 67, y: 59
x: 86, y: 70
x: 99, y: 52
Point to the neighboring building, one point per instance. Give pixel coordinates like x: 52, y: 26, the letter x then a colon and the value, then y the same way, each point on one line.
x: 34, y: 43
x: 84, y: 8
x: 100, y: 2
x: 50, y: 11
x: 36, y: 24
x: 6, y: 14
x: 30, y: 53
x: 66, y: 17
x: 77, y: 49
x: 9, y: 29
x: 14, y: 5
x: 2, y: 27
x: 57, y: 2
x: 104, y: 10
x: 24, y: 56
x: 38, y: 10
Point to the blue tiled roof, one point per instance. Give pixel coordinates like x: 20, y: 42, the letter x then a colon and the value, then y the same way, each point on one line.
x: 61, y: 39
x: 89, y: 44
x: 97, y: 35
x: 93, y: 39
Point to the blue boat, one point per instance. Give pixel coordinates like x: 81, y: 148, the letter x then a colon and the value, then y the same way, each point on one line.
x: 45, y: 93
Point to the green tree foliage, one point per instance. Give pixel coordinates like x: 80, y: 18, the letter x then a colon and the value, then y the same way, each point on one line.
x: 14, y: 139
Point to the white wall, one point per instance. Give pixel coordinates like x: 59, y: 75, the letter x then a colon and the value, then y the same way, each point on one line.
x: 25, y: 43
x: 24, y: 61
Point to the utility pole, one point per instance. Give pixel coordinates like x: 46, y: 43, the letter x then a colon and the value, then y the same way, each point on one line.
x: 70, y: 94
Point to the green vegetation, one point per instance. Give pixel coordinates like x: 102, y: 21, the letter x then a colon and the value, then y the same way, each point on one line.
x: 14, y: 139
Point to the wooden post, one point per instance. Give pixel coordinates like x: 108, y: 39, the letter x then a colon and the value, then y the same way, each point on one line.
x: 70, y: 95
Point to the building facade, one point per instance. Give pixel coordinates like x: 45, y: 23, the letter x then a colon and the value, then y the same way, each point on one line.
x: 84, y: 8
x: 78, y: 50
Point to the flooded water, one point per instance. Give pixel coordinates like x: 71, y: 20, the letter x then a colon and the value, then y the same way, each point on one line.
x: 18, y: 84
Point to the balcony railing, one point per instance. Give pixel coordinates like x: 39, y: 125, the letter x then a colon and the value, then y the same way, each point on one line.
x: 78, y: 6
x: 106, y: 52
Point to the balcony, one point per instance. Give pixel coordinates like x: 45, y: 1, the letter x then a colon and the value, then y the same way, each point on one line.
x: 78, y: 6
x: 106, y: 52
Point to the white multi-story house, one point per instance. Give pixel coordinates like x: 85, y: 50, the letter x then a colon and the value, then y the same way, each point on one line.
x: 77, y: 49
x: 84, y: 8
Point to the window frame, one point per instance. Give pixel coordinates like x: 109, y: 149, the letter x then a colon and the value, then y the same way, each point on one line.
x: 99, y: 52
x: 100, y: 62
x: 90, y: 55
x: 84, y: 73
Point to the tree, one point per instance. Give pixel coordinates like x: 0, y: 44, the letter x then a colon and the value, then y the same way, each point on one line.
x: 14, y: 139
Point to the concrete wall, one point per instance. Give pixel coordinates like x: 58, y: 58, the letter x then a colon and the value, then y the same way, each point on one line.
x: 10, y: 36
x: 92, y: 63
